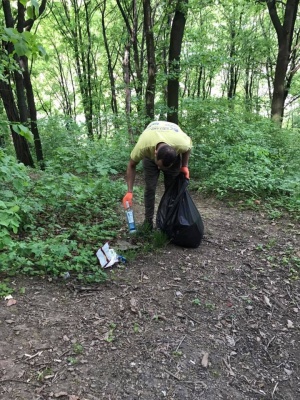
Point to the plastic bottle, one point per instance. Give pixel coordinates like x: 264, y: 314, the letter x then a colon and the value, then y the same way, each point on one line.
x: 130, y: 218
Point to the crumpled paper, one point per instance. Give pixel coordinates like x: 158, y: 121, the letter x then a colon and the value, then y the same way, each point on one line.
x: 107, y: 257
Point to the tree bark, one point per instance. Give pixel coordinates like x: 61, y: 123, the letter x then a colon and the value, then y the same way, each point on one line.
x: 176, y: 38
x: 130, y: 13
x: 114, y: 105
x: 284, y: 33
x: 32, y: 112
x: 151, y: 83
x: 20, y: 143
x: 25, y: 108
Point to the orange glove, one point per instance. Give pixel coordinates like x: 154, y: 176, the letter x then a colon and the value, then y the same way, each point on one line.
x: 127, y: 198
x: 185, y: 172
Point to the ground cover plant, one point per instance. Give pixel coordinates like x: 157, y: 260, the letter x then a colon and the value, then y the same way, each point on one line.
x: 246, y: 157
x: 53, y: 220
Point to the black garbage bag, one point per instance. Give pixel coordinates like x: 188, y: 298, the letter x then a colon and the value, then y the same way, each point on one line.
x: 178, y: 217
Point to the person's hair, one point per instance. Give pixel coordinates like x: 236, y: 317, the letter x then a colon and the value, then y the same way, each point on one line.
x: 167, y: 154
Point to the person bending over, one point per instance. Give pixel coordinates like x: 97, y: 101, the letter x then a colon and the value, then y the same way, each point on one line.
x: 162, y: 146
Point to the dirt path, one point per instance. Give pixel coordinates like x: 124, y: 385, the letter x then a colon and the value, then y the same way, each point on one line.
x: 217, y: 322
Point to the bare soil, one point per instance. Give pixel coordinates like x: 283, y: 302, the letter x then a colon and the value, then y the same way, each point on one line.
x: 217, y: 322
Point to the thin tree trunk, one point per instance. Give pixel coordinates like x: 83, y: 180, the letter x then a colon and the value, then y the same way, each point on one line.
x: 132, y: 34
x: 126, y: 74
x: 176, y: 38
x: 284, y: 37
x: 114, y: 105
x: 20, y: 143
x: 25, y: 107
x: 151, y: 83
x: 32, y: 112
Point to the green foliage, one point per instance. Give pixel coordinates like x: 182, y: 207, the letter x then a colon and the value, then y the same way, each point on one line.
x: 245, y: 156
x: 196, y: 301
x: 14, y: 181
x: 9, y: 221
x: 25, y: 43
x: 23, y: 131
x: 53, y: 222
x: 76, y: 153
x: 5, y: 289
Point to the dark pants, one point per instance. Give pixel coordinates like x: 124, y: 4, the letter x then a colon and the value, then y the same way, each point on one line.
x: 151, y: 175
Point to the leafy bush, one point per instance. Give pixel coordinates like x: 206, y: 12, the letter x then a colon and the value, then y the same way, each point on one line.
x: 244, y: 155
x: 14, y: 182
x: 68, y: 149
x: 55, y: 222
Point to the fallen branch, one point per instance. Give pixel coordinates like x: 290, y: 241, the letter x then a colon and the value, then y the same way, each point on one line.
x: 274, y: 390
x: 180, y: 343
x: 193, y: 319
x: 170, y: 373
x: 18, y: 381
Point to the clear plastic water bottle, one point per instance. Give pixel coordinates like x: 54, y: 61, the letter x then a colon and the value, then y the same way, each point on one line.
x: 130, y: 218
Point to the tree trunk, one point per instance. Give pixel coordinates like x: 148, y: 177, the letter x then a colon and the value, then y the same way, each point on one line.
x: 176, y: 38
x: 130, y: 16
x: 25, y: 99
x: 284, y: 37
x: 78, y: 32
x: 20, y: 143
x: 114, y: 105
x: 32, y: 112
x: 151, y: 83
x: 126, y: 74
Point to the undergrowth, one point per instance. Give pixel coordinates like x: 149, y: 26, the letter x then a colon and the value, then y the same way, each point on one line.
x: 53, y: 221
x: 245, y: 157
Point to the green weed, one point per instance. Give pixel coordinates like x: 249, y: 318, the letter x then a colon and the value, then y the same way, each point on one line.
x: 77, y: 348
x: 210, y: 306
x: 110, y: 335
x: 5, y: 289
x: 44, y: 373
x: 197, y: 302
x: 136, y: 327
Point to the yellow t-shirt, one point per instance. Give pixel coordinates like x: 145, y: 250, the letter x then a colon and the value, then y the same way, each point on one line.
x: 160, y: 132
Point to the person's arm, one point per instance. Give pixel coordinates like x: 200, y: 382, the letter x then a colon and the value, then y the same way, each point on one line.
x: 130, y: 175
x: 185, y: 158
x: 130, y: 178
x: 185, y: 164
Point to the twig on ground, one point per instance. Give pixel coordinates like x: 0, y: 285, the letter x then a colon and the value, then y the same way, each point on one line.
x: 193, y: 319
x: 180, y: 343
x: 292, y: 299
x: 18, y: 381
x: 170, y: 373
x: 228, y: 365
x: 30, y: 357
x: 274, y: 390
x: 58, y: 372
x: 270, y: 341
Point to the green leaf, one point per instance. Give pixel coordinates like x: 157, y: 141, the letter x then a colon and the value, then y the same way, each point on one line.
x: 12, y: 34
x: 23, y: 131
x: 36, y: 7
x: 42, y: 52
x: 15, y: 208
x: 21, y: 48
x: 30, y: 12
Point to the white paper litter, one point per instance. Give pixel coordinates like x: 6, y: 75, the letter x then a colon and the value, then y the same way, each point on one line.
x: 107, y: 256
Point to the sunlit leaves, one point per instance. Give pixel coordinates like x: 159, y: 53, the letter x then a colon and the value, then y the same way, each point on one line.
x: 23, y: 131
x: 25, y: 43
